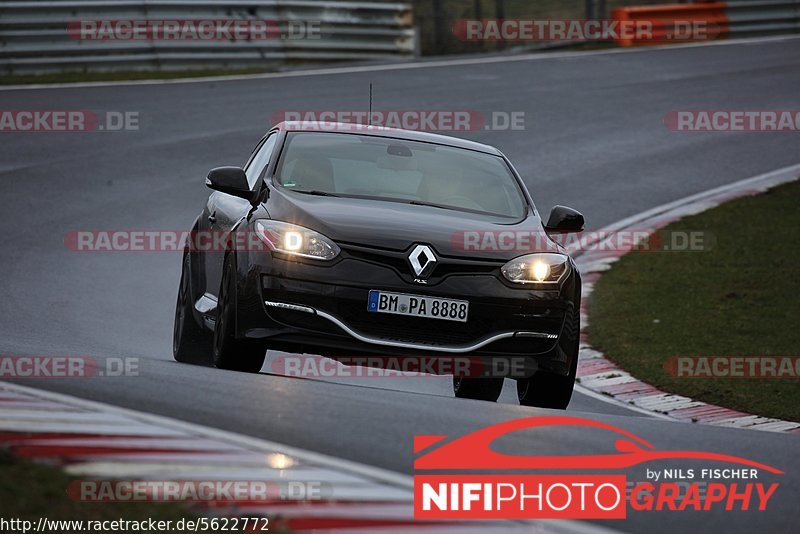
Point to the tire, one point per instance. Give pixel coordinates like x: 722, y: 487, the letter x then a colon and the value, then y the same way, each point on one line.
x: 191, y: 343
x: 486, y: 389
x: 245, y: 355
x: 549, y: 390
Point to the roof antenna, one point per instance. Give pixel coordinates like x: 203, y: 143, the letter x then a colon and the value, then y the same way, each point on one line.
x: 369, y: 118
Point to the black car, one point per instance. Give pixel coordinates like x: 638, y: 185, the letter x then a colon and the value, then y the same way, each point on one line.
x: 343, y: 240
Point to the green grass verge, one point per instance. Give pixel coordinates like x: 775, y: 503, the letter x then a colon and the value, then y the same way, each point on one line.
x: 740, y: 298
x: 29, y: 491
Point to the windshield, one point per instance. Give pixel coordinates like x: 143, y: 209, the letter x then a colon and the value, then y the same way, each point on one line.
x: 352, y: 165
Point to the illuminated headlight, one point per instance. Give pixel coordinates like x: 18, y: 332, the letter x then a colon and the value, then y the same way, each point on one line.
x: 536, y: 269
x: 296, y: 240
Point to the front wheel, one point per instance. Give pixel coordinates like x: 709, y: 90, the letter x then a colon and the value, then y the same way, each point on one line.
x: 486, y: 389
x: 546, y: 389
x: 549, y: 390
x: 246, y: 355
x: 191, y: 343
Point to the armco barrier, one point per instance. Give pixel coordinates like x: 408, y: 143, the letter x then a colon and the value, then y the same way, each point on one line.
x: 34, y: 35
x: 722, y: 19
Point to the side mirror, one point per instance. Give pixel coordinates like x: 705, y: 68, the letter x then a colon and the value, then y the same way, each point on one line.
x: 230, y: 180
x: 564, y: 220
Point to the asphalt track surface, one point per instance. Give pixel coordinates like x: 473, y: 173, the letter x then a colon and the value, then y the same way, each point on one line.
x: 594, y: 140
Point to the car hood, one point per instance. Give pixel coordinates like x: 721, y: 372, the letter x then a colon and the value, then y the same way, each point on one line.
x: 397, y: 226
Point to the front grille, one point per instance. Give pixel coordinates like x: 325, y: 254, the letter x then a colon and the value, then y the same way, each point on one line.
x: 344, y: 293
x: 445, y: 266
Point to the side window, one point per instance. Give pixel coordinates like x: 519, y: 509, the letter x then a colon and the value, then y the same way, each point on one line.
x: 260, y: 160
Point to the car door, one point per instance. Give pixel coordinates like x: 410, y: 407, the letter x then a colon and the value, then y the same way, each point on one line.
x: 223, y: 212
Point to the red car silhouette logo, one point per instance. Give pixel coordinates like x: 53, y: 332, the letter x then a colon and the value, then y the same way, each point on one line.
x: 473, y: 451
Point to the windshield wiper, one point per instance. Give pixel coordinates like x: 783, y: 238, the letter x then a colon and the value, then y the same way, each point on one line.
x: 440, y: 206
x: 451, y: 208
x: 316, y: 193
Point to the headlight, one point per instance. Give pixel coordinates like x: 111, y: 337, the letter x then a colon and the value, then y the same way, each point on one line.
x: 296, y: 240
x: 536, y: 269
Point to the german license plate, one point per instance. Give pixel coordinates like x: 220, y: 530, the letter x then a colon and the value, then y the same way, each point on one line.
x: 418, y: 306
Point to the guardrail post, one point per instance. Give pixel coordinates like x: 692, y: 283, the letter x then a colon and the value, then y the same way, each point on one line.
x: 500, y: 14
x: 479, y: 16
x: 438, y: 27
x: 601, y: 9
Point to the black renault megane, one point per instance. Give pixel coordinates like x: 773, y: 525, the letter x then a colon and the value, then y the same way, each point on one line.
x: 343, y: 240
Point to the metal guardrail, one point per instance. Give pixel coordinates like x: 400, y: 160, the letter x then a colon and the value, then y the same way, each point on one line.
x: 760, y: 17
x: 34, y: 35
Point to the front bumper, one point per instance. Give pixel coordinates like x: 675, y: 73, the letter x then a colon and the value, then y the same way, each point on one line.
x: 301, y: 306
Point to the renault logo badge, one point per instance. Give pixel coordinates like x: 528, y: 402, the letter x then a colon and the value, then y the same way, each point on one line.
x: 422, y: 260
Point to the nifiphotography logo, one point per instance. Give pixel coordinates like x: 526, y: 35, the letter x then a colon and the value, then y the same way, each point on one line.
x: 529, y: 488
